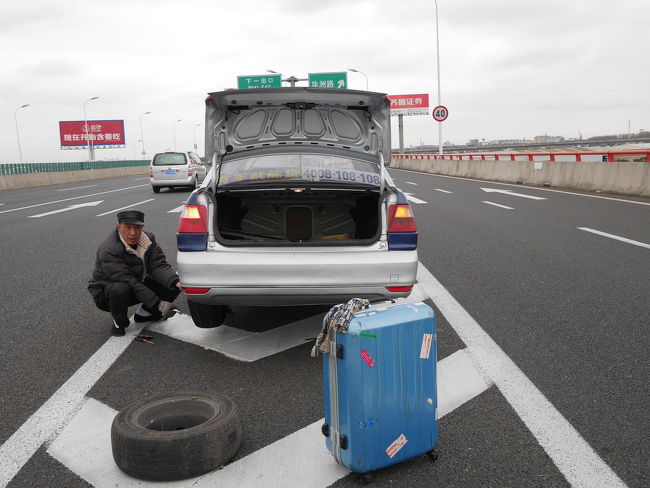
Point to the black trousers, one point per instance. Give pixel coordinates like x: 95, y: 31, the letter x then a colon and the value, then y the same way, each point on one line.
x: 117, y: 297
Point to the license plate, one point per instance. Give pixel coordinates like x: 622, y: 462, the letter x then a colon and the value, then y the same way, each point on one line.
x: 170, y: 172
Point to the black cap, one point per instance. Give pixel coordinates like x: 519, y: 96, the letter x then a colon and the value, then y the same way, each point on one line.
x: 134, y: 217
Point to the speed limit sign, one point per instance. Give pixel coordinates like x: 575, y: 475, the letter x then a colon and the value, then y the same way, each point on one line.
x: 440, y: 113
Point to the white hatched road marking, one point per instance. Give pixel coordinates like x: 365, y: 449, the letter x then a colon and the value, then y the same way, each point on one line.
x: 568, y: 450
x: 618, y: 238
x: 443, y: 191
x: 122, y: 208
x: 413, y: 199
x: 177, y: 209
x: 71, y: 198
x: 300, y: 459
x: 55, y: 413
x: 573, y: 456
x: 497, y: 205
x: 77, y: 188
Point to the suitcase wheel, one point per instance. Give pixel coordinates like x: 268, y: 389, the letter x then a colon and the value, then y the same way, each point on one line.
x: 433, y: 455
x: 365, y: 478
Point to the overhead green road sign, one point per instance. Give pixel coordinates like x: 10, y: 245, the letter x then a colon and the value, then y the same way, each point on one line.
x: 259, y: 81
x: 328, y: 80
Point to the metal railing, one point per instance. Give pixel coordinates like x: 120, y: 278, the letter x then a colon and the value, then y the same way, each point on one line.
x: 573, y: 156
x: 33, y: 168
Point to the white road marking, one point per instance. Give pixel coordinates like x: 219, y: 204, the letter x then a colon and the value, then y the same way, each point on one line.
x: 618, y: 238
x: 497, y: 205
x: 177, y: 209
x: 71, y: 198
x: 524, y: 186
x: 568, y: 450
x: 411, y: 183
x: 300, y: 459
x: 239, y: 344
x: 512, y: 193
x: 443, y: 191
x: 55, y: 413
x: 69, y: 207
x: 413, y: 199
x: 77, y: 188
x: 143, y: 178
x: 122, y: 208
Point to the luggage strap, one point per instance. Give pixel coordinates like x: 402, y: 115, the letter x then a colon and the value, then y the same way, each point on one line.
x: 337, y: 320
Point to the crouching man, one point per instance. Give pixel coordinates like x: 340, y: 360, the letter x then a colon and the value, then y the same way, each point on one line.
x: 130, y: 268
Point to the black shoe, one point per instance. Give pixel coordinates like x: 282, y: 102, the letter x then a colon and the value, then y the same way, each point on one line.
x: 138, y: 319
x: 117, y: 331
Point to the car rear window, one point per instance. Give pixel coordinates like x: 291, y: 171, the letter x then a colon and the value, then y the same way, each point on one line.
x: 165, y: 159
x: 299, y: 168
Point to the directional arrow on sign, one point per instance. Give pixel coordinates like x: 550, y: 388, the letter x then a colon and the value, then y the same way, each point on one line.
x: 69, y: 207
x: 509, y: 192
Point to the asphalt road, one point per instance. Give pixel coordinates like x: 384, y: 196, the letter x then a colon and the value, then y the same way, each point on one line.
x: 570, y: 307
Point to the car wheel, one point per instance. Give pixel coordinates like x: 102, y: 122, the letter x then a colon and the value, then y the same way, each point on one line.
x: 156, y: 189
x: 173, y: 436
x: 207, y: 316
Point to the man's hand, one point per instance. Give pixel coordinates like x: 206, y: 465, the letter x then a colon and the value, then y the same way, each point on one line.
x: 178, y: 285
x: 167, y: 309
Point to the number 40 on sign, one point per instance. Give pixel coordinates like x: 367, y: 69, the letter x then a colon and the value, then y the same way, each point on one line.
x: 440, y: 113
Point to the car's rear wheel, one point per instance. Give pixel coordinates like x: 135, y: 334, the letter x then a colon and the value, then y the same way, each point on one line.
x: 207, y: 316
x: 156, y: 189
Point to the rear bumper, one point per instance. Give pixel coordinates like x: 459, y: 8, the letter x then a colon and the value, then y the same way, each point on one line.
x: 302, y: 277
x: 173, y: 182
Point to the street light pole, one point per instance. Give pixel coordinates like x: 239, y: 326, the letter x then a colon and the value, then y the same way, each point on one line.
x: 358, y: 71
x: 291, y: 80
x: 20, y: 151
x: 144, y: 154
x: 194, y: 132
x: 174, y: 129
x: 438, y: 63
x: 90, y: 147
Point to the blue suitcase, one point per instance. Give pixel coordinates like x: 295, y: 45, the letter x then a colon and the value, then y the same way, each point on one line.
x: 380, y: 384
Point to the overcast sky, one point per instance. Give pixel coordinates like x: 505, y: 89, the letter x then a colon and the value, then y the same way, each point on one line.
x: 509, y: 68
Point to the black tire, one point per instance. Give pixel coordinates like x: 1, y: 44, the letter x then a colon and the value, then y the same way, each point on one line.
x: 173, y: 436
x: 207, y: 316
x: 156, y: 189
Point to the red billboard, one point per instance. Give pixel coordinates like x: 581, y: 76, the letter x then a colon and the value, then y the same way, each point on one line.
x: 100, y: 133
x: 409, y: 104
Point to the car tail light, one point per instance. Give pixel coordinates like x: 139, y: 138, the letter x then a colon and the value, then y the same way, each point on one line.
x: 400, y: 219
x: 196, y: 291
x: 194, y: 219
x: 399, y: 289
x: 189, y: 173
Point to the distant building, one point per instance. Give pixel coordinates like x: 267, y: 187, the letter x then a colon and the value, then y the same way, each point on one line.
x: 547, y: 139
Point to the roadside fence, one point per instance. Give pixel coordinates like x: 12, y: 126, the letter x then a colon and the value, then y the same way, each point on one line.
x: 574, y: 156
x: 34, y: 168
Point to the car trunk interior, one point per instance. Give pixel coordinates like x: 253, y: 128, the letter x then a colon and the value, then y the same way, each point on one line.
x: 297, y: 217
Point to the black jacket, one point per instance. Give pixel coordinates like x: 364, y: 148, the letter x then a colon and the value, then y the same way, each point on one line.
x: 113, y: 263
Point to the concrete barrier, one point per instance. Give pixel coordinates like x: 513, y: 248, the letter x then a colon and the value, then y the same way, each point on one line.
x: 13, y: 182
x: 626, y: 178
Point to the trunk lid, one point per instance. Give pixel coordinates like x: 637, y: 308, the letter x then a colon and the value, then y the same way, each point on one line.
x: 351, y: 122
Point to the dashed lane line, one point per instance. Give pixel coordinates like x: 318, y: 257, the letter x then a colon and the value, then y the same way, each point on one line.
x: 568, y: 450
x: 72, y: 198
x: 298, y: 460
x: 122, y: 208
x: 77, y: 188
x: 618, y: 238
x: 497, y: 205
x: 442, y: 191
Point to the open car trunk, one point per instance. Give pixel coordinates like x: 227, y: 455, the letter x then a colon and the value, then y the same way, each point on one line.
x: 298, y: 217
